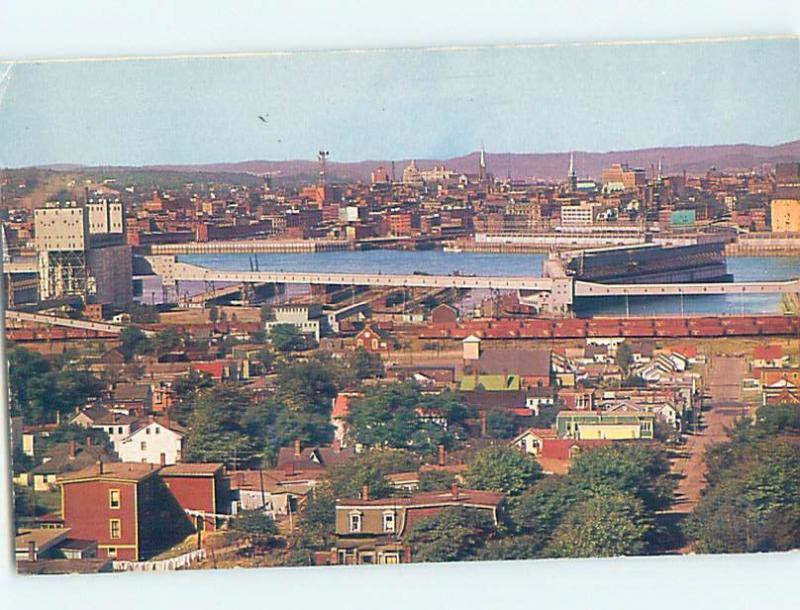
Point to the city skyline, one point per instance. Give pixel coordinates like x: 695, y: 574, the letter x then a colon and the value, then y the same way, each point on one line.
x: 399, y: 104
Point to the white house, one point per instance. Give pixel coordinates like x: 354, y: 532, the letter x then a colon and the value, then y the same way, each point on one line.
x: 156, y: 442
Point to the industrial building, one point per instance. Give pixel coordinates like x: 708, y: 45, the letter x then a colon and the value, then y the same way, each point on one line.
x: 81, y: 252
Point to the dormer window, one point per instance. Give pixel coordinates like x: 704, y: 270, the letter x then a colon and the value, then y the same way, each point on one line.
x: 355, y: 522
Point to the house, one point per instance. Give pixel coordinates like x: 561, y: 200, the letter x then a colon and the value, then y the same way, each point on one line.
x: 532, y: 365
x: 444, y: 314
x: 490, y: 383
x: 268, y: 490
x: 661, y: 367
x: 132, y: 398
x: 430, y: 375
x: 538, y: 397
x: 577, y: 399
x: 298, y: 458
x: 485, y: 400
x: 530, y: 441
x: 618, y: 425
x: 220, y: 370
x: 61, y: 459
x: 339, y: 413
x: 769, y: 357
x: 556, y: 454
x: 199, y: 489
x: 373, y: 339
x: 36, y: 544
x: 125, y: 507
x: 307, y: 319
x: 374, y: 531
x: 157, y: 441
x: 780, y: 392
x: 117, y: 426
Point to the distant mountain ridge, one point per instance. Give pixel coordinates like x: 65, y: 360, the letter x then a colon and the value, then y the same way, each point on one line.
x: 692, y: 159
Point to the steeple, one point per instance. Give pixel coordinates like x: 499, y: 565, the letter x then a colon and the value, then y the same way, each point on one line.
x: 571, y: 175
x: 482, y: 164
x: 659, y: 170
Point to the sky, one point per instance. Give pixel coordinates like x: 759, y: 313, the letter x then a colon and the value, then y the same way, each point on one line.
x: 397, y: 104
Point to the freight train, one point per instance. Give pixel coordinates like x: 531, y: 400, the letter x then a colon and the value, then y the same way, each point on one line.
x: 575, y: 328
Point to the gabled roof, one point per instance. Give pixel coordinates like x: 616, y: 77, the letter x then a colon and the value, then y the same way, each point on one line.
x: 191, y: 469
x: 60, y: 460
x: 490, y: 383
x: 132, y: 472
x: 768, y: 352
x: 523, y: 362
x: 131, y: 391
x: 313, y: 458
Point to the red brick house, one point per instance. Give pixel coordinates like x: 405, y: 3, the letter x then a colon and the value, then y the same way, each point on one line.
x: 444, y: 314
x: 199, y: 489
x: 125, y: 507
x: 373, y: 339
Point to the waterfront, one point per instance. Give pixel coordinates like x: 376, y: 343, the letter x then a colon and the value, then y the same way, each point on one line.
x: 744, y: 268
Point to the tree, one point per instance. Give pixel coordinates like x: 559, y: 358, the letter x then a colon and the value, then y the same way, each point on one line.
x: 501, y: 424
x: 216, y: 433
x: 133, y: 341
x: 455, y: 534
x: 213, y: 314
x: 435, y: 480
x: 365, y: 364
x: 265, y: 312
x: 624, y: 356
x: 392, y: 416
x: 630, y: 468
x: 286, y: 338
x: 751, y: 501
x: 257, y: 526
x: 370, y: 468
x: 503, y: 469
x: 539, y: 510
x: 169, y: 340
x: 605, y: 525
x: 773, y: 419
x: 187, y: 388
x: 306, y: 386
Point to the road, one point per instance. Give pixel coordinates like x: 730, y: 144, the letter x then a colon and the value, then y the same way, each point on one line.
x: 724, y: 384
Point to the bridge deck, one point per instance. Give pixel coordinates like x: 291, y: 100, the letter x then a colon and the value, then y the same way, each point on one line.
x: 591, y: 289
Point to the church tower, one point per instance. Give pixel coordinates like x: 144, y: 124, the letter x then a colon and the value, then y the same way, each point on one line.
x: 482, y: 164
x: 572, y: 177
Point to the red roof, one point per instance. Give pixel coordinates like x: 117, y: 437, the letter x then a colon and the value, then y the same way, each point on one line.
x: 560, y: 448
x: 768, y: 352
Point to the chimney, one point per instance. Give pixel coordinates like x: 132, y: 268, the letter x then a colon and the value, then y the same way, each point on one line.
x: 88, y: 441
x: 483, y: 424
x: 31, y: 550
x: 442, y: 455
x: 71, y: 449
x: 99, y: 466
x: 297, y: 447
x: 337, y: 445
x: 454, y: 490
x: 365, y: 492
x: 163, y: 459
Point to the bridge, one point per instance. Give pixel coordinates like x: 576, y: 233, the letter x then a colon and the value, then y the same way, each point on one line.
x: 172, y: 271
x: 592, y: 289
x: 46, y: 320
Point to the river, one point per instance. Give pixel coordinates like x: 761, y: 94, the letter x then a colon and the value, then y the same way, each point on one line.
x: 743, y: 268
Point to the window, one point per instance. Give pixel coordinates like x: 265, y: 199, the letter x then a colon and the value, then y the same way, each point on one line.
x: 111, y: 429
x: 355, y: 522
x: 147, y: 430
x: 388, y: 522
x: 143, y: 446
x: 119, y: 430
x: 112, y: 551
x: 115, y: 528
x: 113, y: 498
x: 158, y: 430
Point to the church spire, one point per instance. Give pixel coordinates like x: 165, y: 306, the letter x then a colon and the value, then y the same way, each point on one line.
x: 571, y: 175
x: 482, y: 163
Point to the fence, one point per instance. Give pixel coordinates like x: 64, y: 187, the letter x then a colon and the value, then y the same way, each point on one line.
x: 175, y: 563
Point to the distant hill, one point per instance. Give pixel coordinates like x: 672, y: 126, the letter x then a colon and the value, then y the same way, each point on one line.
x: 692, y: 159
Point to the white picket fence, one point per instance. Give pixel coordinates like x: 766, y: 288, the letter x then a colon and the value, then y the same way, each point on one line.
x: 174, y: 563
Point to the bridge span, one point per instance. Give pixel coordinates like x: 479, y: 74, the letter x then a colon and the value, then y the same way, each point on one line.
x: 47, y: 320
x: 171, y: 271
x: 592, y: 289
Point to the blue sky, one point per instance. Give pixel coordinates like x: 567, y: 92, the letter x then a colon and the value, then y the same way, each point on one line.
x: 401, y: 103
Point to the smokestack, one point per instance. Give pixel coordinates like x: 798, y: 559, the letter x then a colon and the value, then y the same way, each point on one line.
x: 365, y: 492
x: 163, y: 459
x: 483, y: 423
x: 454, y: 490
x: 442, y: 455
x: 71, y: 449
x: 31, y: 550
x: 297, y: 447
